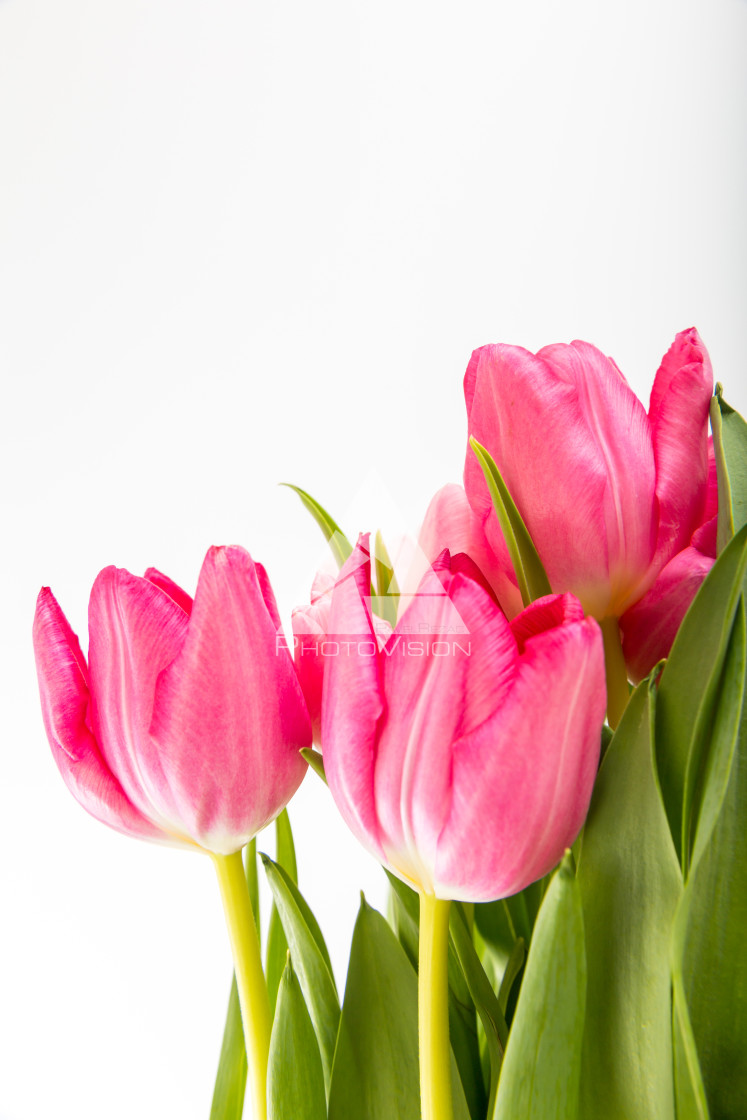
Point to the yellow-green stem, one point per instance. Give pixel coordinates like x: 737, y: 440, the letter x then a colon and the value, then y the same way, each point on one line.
x: 255, y: 1005
x: 618, y: 692
x: 433, y: 1009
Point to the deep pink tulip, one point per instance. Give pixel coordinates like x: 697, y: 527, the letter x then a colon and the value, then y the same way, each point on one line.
x: 610, y: 494
x: 462, y: 754
x: 186, y: 723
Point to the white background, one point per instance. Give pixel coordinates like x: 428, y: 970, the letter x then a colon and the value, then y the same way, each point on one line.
x: 243, y: 243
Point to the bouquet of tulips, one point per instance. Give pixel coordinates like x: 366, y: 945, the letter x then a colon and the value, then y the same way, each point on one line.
x: 566, y: 850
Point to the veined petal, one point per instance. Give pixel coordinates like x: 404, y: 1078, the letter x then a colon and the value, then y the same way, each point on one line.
x: 525, y: 776
x: 679, y: 407
x: 447, y: 667
x: 63, y: 685
x: 173, y: 590
x: 229, y: 717
x: 545, y: 614
x: 352, y: 702
x: 136, y: 629
x: 450, y: 522
x: 649, y: 627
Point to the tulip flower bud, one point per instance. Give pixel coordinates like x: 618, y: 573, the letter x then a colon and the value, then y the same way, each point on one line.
x: 463, y: 753
x: 186, y: 722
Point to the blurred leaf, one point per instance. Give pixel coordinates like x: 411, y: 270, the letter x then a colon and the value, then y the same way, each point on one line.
x: 230, y: 1081
x: 375, y: 1075
x: 709, y: 959
x: 488, y: 1008
x: 387, y: 587
x: 295, y: 1081
x: 730, y: 450
x: 689, y: 682
x: 462, y: 1021
x: 277, y: 945
x: 315, y: 761
x: 542, y: 1063
x: 513, y: 968
x: 311, y: 961
x: 531, y: 576
x: 497, y: 928
x: 333, y: 534
x: 630, y: 884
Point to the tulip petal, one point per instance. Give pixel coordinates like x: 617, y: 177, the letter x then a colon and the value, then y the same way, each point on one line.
x: 229, y: 717
x: 352, y: 703
x: 524, y: 777
x: 173, y: 590
x: 545, y: 614
x: 136, y: 629
x: 450, y: 522
x: 447, y: 668
x: 549, y: 416
x: 63, y: 685
x: 649, y: 627
x: 680, y: 401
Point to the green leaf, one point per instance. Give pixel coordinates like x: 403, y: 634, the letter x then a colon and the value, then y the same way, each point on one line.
x: 315, y: 761
x: 295, y: 1081
x: 496, y: 924
x: 277, y: 945
x: 513, y: 967
x: 484, y: 998
x: 709, y: 959
x: 310, y: 960
x: 230, y: 1081
x: 462, y: 1021
x: 730, y: 449
x: 542, y: 1063
x: 689, y: 683
x: 375, y: 1075
x: 387, y: 597
x: 333, y: 534
x: 531, y: 576
x: 630, y: 884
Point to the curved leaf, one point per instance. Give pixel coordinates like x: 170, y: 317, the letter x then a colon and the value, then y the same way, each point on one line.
x: 295, y: 1081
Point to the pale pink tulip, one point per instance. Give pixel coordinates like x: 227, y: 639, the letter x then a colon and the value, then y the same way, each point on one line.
x: 186, y: 723
x: 610, y: 494
x: 463, y: 753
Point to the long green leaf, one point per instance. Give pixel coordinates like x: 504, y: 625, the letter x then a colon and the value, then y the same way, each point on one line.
x: 542, y: 1063
x: 730, y: 449
x: 630, y: 885
x: 689, y: 683
x: 310, y: 960
x: 295, y: 1081
x: 339, y: 544
x: 230, y: 1081
x: 531, y: 576
x: 375, y: 1074
x: 709, y: 959
x: 277, y: 945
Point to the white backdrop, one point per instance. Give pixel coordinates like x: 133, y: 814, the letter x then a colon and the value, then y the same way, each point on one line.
x: 244, y: 243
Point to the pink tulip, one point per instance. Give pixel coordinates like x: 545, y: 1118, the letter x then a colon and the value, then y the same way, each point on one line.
x: 611, y: 495
x: 462, y: 754
x: 186, y: 723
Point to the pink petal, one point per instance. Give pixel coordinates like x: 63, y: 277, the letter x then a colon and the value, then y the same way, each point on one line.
x: 352, y: 703
x: 680, y: 401
x: 173, y: 590
x: 229, y: 717
x: 136, y: 629
x: 545, y: 614
x: 522, y: 780
x: 447, y: 667
x: 451, y: 523
x: 310, y: 623
x: 573, y: 445
x: 63, y: 685
x: 650, y: 626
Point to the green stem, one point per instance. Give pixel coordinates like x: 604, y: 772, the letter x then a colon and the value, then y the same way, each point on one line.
x: 618, y: 692
x: 433, y: 1009
x: 255, y: 1005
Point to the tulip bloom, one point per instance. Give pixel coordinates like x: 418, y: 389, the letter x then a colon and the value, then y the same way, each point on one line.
x: 186, y: 723
x: 613, y: 497
x: 184, y: 727
x: 463, y: 753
